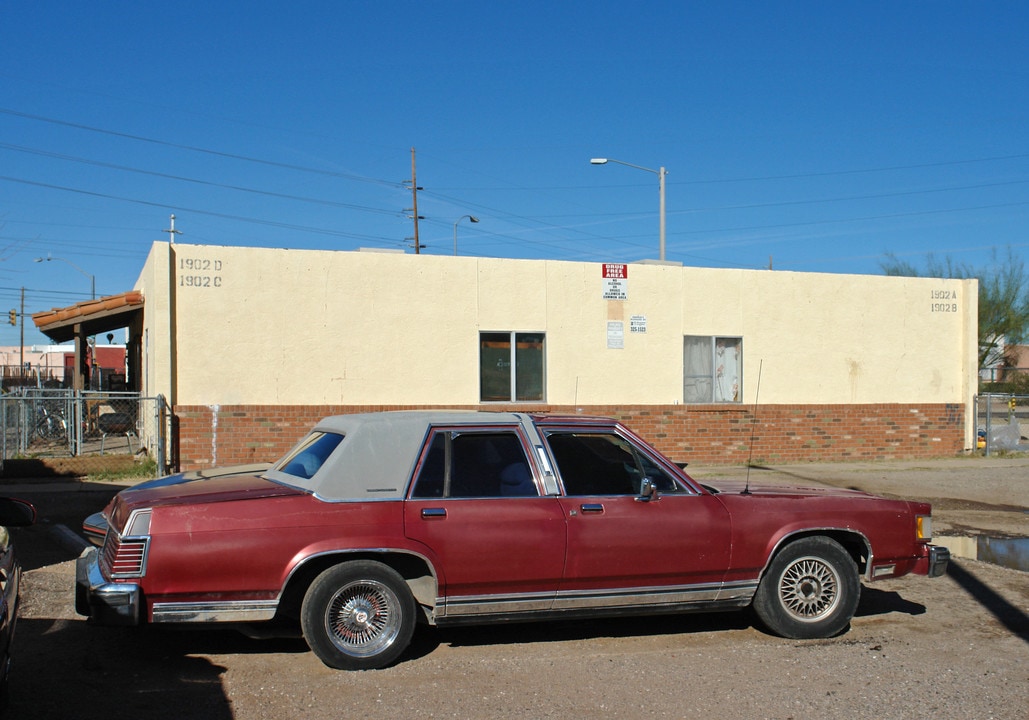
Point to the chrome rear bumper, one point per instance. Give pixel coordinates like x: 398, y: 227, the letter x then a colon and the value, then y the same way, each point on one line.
x: 105, y: 602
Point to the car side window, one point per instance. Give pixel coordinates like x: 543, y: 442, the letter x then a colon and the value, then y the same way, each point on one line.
x: 467, y: 464
x: 604, y: 463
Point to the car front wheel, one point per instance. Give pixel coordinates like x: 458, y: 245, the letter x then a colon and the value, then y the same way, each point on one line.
x: 810, y: 590
x: 358, y: 615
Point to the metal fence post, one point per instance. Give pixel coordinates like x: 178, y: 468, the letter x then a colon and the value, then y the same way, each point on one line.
x: 76, y: 417
x: 162, y: 436
x: 989, y: 421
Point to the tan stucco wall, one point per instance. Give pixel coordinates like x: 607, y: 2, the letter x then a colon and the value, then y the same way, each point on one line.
x: 155, y: 280
x: 232, y: 325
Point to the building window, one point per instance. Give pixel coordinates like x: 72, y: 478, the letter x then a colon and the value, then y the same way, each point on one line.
x: 713, y: 369
x: 511, y: 367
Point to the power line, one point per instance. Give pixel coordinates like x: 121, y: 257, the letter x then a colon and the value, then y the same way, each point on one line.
x: 858, y: 171
x: 888, y: 216
x: 208, y: 213
x: 208, y: 183
x: 193, y: 148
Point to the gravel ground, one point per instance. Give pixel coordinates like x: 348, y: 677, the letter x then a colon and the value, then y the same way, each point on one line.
x: 951, y: 647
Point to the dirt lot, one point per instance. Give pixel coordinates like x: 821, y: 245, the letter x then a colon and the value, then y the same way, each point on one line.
x: 952, y: 647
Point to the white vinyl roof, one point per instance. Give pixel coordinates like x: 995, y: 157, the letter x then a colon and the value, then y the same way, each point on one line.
x: 379, y: 450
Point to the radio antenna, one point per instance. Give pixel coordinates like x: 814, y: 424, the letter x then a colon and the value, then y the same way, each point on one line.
x: 753, y: 427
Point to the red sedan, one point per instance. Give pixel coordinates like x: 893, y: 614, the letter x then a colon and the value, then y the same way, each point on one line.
x: 376, y: 522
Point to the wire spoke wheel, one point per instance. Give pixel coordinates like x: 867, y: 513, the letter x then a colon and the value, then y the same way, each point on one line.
x: 358, y: 615
x: 362, y: 618
x: 809, y: 589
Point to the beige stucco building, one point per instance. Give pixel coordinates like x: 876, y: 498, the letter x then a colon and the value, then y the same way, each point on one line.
x: 253, y: 329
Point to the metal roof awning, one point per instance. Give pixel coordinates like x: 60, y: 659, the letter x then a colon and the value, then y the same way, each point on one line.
x: 94, y: 317
x: 91, y: 317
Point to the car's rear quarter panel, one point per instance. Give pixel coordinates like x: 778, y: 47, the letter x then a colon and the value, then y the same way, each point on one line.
x: 247, y: 549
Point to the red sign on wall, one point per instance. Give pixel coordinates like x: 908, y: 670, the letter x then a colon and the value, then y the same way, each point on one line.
x: 615, y: 281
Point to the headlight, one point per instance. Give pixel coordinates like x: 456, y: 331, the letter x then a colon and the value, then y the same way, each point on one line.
x: 924, y: 527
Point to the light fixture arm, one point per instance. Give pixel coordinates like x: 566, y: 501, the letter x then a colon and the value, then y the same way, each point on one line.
x: 661, y: 173
x: 92, y: 278
x: 471, y: 218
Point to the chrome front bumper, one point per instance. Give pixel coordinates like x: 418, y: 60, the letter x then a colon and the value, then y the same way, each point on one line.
x: 103, y: 601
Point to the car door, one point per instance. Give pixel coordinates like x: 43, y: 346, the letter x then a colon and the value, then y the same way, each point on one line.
x: 475, y: 505
x: 627, y: 550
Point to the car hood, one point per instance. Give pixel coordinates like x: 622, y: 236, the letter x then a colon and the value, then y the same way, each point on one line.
x: 731, y: 487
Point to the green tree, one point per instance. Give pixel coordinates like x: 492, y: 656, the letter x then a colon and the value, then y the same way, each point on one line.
x: 1003, y: 297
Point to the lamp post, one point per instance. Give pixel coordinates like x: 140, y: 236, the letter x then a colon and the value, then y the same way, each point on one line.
x: 472, y: 218
x: 661, y: 190
x: 92, y: 279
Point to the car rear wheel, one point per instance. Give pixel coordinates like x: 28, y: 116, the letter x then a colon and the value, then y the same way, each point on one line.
x: 810, y: 590
x: 358, y: 615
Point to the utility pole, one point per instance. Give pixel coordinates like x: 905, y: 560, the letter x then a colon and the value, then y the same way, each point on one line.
x: 21, y: 358
x: 172, y: 232
x: 414, y: 205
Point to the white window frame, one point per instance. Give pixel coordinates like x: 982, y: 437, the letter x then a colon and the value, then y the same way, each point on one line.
x: 707, y: 377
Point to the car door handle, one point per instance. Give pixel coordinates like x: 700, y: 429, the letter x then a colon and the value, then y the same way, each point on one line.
x: 433, y: 513
x: 594, y: 508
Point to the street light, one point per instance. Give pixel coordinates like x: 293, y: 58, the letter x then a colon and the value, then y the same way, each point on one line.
x: 661, y: 189
x: 470, y: 217
x: 92, y: 279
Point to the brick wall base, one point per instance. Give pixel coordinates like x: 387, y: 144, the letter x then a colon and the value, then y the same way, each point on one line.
x: 210, y: 436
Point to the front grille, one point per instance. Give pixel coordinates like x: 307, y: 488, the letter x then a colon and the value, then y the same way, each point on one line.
x: 124, y: 557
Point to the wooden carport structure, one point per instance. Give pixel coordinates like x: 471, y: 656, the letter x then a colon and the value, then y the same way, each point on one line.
x: 93, y: 317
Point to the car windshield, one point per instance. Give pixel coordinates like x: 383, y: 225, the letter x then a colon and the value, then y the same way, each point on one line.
x: 307, y: 457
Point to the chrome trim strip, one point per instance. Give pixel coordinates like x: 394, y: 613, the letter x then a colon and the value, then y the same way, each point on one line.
x: 735, y: 593
x: 494, y: 604
x: 217, y: 611
x: 417, y: 585
x: 636, y: 597
x: 816, y: 530
x: 358, y: 551
x: 111, y: 550
x: 740, y: 590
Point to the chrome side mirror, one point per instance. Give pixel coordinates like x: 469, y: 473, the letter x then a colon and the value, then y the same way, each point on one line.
x: 648, y: 491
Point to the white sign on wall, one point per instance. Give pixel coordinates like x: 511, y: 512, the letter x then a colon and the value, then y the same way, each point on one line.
x: 638, y: 324
x: 615, y: 335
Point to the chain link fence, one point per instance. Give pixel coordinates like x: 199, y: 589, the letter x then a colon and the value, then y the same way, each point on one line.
x: 1002, y: 421
x: 40, y: 423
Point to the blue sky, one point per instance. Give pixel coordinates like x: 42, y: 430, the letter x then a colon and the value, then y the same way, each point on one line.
x: 805, y: 136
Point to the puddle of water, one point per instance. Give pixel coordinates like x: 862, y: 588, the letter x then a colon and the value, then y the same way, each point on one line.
x: 1006, y: 552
